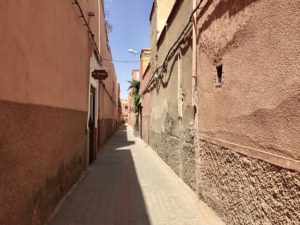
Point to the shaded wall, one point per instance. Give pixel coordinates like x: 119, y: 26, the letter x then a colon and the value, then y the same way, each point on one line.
x: 171, y: 111
x: 109, y: 118
x: 145, y: 104
x: 43, y: 105
x: 248, y: 125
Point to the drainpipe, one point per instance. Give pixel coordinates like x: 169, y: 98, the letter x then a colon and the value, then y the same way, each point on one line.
x: 195, y: 98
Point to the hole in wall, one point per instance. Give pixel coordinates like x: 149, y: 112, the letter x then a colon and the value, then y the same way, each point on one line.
x: 220, y: 74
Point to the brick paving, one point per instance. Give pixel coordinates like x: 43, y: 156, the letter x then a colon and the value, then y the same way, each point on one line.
x: 130, y: 185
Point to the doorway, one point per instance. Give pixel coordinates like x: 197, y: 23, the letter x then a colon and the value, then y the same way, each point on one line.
x: 91, y: 123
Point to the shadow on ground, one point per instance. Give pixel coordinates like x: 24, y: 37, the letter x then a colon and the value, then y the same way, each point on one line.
x: 110, y: 194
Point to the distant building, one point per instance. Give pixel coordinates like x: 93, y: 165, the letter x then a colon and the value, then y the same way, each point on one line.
x: 132, y: 101
x: 145, y: 93
x: 125, y: 110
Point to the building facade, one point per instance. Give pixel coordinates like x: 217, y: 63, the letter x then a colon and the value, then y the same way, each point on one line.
x: 145, y: 93
x: 110, y: 106
x: 50, y: 104
x: 132, y: 100
x: 229, y: 70
x: 172, y: 114
x: 247, y: 109
x: 125, y: 110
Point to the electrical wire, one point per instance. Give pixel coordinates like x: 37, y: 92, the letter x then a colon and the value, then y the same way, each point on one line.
x: 127, y: 61
x: 91, y: 34
x: 173, y: 48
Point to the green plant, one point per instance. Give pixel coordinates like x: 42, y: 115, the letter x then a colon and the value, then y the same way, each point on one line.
x: 135, y: 87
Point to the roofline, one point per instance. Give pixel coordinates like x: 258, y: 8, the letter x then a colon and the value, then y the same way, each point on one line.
x: 146, y: 70
x: 171, y: 14
x: 152, y: 10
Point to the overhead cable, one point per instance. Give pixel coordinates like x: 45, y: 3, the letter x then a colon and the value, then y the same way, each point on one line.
x: 173, y: 48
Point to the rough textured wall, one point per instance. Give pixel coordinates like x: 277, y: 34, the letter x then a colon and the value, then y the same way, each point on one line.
x: 171, y: 112
x: 244, y: 190
x: 42, y: 154
x: 254, y: 110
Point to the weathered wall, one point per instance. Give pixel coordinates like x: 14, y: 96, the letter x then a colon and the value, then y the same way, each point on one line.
x: 43, y: 105
x: 254, y: 110
x: 43, y: 152
x: 244, y: 190
x: 171, y: 112
x: 108, y: 91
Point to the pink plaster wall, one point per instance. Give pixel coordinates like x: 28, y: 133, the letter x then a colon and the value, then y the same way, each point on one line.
x: 44, y: 83
x: 109, y: 117
x: 46, y: 54
x: 258, y: 104
x: 247, y: 160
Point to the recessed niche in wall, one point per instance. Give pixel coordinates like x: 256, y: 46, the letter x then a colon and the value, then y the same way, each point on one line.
x: 220, y: 74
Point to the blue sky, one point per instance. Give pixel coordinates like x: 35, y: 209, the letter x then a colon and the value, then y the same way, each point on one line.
x: 131, y: 29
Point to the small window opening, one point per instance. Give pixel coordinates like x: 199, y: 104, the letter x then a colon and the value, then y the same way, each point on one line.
x: 220, y: 74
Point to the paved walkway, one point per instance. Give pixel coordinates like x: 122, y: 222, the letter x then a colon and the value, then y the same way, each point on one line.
x: 130, y: 185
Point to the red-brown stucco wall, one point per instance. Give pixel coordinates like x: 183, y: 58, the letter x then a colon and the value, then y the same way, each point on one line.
x: 247, y: 161
x: 42, y: 154
x: 257, y: 104
x: 109, y: 118
x: 43, y: 105
x: 46, y: 53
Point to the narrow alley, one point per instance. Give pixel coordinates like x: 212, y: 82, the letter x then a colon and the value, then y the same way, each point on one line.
x: 130, y: 185
x: 150, y: 112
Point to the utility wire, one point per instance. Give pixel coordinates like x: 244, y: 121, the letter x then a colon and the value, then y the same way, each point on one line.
x: 91, y: 34
x: 173, y: 48
x: 127, y: 61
